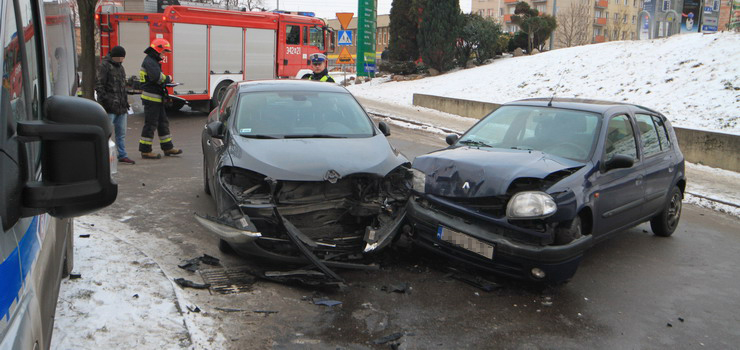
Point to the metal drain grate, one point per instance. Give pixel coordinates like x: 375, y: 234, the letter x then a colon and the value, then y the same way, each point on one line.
x: 228, y: 280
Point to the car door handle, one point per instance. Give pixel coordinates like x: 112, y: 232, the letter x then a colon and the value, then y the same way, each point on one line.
x: 208, y: 142
x: 638, y: 181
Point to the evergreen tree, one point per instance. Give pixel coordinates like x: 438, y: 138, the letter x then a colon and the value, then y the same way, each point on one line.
x: 402, y: 30
x: 478, y: 36
x: 538, y: 27
x: 438, y: 33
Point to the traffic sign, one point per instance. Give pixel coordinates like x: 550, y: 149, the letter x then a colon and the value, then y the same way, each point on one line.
x: 345, y: 37
x: 344, y: 18
x: 345, y: 57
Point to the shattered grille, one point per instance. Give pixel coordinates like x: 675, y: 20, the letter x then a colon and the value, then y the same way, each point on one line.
x: 494, y: 206
x: 228, y: 280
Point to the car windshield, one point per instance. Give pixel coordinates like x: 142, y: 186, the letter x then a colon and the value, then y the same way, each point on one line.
x: 562, y: 132
x: 301, y: 114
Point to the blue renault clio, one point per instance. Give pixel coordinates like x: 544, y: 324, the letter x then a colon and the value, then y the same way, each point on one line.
x: 535, y: 183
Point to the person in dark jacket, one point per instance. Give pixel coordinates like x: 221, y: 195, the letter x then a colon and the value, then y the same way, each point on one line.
x: 318, y: 66
x: 111, y: 90
x: 154, y: 91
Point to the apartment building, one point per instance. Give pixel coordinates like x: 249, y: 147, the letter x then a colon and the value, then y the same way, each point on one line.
x: 605, y: 19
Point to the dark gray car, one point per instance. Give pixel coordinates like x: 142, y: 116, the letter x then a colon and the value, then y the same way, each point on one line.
x: 530, y: 187
x: 298, y: 170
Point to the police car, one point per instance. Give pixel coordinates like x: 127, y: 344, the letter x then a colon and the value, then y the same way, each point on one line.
x: 54, y: 165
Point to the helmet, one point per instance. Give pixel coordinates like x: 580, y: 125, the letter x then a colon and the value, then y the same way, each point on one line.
x: 161, y: 45
x: 317, y: 57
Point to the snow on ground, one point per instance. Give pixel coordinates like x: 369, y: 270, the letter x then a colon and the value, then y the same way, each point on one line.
x: 690, y: 78
x: 122, y: 300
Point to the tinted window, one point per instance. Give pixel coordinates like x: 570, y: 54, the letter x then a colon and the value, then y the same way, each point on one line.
x: 305, y: 35
x: 301, y: 114
x: 648, y: 134
x: 620, y: 139
x: 292, y: 35
x: 561, y: 132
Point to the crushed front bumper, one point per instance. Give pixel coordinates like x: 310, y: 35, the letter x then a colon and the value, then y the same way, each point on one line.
x: 510, y: 257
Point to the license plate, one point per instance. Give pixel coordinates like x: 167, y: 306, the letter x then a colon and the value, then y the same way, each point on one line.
x: 464, y: 241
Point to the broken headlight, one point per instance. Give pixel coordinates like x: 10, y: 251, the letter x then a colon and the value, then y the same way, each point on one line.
x: 418, y: 181
x: 530, y: 205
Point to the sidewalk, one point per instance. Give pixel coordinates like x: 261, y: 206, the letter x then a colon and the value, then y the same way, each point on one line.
x: 708, y: 187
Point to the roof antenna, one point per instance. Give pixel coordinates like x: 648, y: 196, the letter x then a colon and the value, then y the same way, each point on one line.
x: 549, y: 104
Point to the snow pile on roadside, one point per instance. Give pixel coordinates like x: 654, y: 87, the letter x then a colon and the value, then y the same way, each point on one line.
x: 691, y: 78
x: 140, y: 308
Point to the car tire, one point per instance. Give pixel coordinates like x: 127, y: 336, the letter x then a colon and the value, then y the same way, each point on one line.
x: 568, y: 233
x: 206, y: 189
x: 665, y: 223
x: 225, y: 247
x: 218, y: 92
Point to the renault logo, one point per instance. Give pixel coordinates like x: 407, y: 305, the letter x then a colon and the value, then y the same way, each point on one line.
x: 466, y: 186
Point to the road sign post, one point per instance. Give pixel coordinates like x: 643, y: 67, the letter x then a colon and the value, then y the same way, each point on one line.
x: 366, y: 28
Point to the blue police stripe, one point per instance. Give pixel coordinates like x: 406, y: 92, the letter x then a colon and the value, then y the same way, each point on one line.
x: 15, y: 268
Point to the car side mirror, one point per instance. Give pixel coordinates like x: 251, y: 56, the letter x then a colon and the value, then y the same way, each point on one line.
x: 215, y: 129
x: 619, y: 161
x: 451, y: 139
x: 75, y: 166
x: 384, y: 128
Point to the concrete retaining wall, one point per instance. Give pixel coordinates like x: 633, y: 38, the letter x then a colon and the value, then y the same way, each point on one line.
x: 713, y: 149
x: 465, y: 108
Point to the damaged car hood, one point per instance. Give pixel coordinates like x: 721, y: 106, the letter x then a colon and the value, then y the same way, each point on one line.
x: 313, y: 159
x: 468, y: 172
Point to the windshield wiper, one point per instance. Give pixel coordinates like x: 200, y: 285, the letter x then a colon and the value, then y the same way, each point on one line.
x: 523, y: 148
x: 314, y: 136
x: 475, y: 143
x: 260, y: 136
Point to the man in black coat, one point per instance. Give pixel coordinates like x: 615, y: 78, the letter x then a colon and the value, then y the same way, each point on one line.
x: 111, y: 93
x: 154, y: 91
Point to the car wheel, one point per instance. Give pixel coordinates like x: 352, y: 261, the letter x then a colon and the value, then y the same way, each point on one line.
x: 666, y: 221
x: 225, y: 247
x: 218, y: 93
x: 206, y: 189
x: 567, y: 233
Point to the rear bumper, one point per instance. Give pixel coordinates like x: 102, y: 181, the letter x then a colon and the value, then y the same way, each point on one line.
x: 510, y: 258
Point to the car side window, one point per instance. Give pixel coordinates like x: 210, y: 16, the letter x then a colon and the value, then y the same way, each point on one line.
x: 226, y: 104
x: 620, y: 138
x: 648, y: 134
x: 665, y: 143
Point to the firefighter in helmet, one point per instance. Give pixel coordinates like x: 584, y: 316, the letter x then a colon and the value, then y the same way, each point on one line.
x: 154, y: 92
x: 318, y: 66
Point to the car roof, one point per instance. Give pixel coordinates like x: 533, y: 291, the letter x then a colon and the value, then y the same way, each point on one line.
x: 289, y: 85
x: 598, y: 106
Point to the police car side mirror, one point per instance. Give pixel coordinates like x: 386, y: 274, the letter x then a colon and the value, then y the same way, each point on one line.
x: 451, y: 139
x: 384, y: 129
x: 75, y: 168
x: 215, y: 129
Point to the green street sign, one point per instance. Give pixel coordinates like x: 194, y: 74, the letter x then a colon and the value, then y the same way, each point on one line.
x: 366, y: 27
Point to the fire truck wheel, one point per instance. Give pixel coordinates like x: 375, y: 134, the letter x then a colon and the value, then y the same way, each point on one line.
x: 218, y: 93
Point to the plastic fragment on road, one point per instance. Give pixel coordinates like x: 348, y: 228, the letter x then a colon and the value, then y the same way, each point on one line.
x: 388, y: 338
x: 190, y: 284
x: 326, y: 302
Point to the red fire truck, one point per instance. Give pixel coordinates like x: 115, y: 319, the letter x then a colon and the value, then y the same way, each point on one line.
x: 213, y: 47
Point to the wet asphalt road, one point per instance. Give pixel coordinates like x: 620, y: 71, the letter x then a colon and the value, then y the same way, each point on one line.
x: 634, y: 291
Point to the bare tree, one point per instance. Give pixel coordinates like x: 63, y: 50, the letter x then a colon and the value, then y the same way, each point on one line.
x: 575, y: 23
x: 617, y: 25
x: 250, y: 5
x: 87, y: 38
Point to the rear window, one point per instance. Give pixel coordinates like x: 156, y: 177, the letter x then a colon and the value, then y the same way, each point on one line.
x: 292, y: 114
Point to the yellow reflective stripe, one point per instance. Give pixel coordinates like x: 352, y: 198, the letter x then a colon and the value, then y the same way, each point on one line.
x: 148, y: 98
x: 162, y: 78
x: 324, y: 78
x: 142, y: 76
x: 165, y: 140
x: 145, y: 142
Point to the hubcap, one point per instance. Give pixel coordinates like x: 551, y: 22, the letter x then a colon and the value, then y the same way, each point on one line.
x: 674, y: 210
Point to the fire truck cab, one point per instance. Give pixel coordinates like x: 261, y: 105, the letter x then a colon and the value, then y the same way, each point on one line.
x: 214, y: 47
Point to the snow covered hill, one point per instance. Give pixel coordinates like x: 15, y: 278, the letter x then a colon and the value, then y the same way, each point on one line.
x: 694, y: 79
